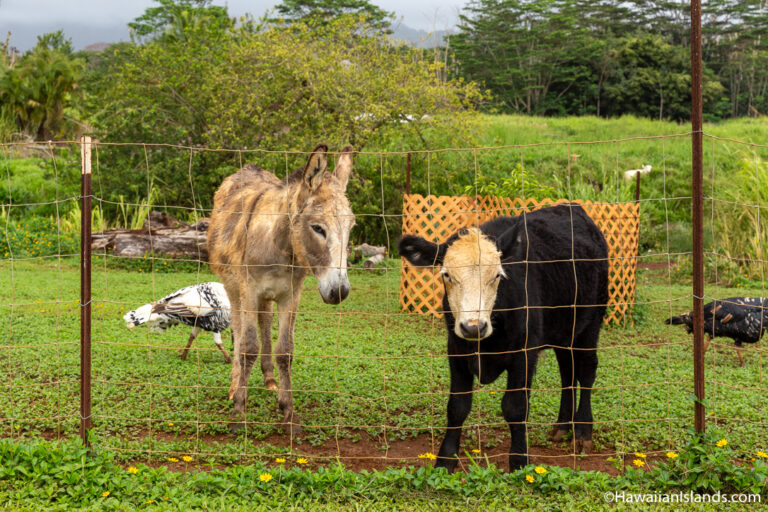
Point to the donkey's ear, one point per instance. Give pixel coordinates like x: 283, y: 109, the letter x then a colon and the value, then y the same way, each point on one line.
x: 316, y: 167
x: 344, y: 166
x: 420, y: 252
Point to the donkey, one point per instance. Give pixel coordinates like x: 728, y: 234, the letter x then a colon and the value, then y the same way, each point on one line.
x: 265, y: 236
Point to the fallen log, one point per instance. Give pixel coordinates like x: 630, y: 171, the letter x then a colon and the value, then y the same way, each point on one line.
x: 162, y: 235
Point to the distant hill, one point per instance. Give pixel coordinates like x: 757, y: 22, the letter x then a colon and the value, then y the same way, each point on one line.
x: 420, y: 38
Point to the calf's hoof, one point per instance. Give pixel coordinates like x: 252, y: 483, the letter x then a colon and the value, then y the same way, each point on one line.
x: 557, y: 434
x: 448, y: 463
x: 517, y: 461
x: 270, y: 384
x: 584, y: 446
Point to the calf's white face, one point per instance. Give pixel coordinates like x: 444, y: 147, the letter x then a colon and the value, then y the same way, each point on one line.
x: 471, y: 273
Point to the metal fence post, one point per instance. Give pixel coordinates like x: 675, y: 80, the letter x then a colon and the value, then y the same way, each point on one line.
x: 697, y: 215
x: 85, y: 287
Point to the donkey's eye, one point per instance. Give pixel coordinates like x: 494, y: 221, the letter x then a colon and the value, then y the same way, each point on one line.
x: 319, y: 230
x: 447, y: 278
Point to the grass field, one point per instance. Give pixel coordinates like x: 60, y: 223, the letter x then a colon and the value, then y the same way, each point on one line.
x: 370, y: 381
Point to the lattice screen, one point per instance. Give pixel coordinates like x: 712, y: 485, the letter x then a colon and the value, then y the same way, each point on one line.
x: 438, y: 217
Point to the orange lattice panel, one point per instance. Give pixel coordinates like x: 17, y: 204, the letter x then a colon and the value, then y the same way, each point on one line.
x: 435, y: 218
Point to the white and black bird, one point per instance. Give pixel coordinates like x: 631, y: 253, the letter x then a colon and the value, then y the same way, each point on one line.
x: 743, y: 319
x: 204, y: 306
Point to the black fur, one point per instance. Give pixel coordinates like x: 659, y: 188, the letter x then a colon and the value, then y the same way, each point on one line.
x: 521, y: 327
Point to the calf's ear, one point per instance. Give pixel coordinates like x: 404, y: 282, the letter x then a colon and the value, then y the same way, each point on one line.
x: 511, y: 238
x: 420, y: 252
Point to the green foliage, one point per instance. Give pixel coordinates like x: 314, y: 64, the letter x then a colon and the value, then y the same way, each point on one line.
x: 324, y: 10
x: 518, y: 183
x: 36, y: 92
x: 707, y: 464
x: 32, y: 237
x: 613, y: 58
x: 650, y: 77
x: 36, y: 186
x: 315, y: 83
x: 173, y: 19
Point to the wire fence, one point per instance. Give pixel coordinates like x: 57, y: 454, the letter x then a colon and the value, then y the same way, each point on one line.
x: 370, y: 379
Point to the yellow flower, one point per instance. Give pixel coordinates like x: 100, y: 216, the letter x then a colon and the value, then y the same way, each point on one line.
x: 638, y: 462
x: 762, y: 454
x: 133, y: 470
x: 671, y: 455
x: 105, y: 494
x: 529, y: 478
x: 721, y: 443
x: 540, y: 470
x: 265, y: 477
x: 428, y: 455
x: 640, y: 455
x: 173, y: 459
x: 476, y: 451
x: 149, y: 502
x: 279, y: 460
x: 186, y: 458
x: 170, y: 423
x: 166, y: 498
x: 302, y: 460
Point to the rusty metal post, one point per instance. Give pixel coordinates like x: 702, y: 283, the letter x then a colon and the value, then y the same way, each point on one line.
x: 637, y: 187
x: 697, y: 214
x: 85, y: 287
x: 408, y: 174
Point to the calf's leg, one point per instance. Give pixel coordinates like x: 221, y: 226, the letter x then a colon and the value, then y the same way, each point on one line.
x: 567, y: 395
x: 459, y: 405
x: 514, y: 406
x: 586, y: 369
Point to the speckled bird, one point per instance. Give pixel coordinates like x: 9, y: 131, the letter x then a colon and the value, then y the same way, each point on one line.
x: 743, y: 319
x: 204, y: 306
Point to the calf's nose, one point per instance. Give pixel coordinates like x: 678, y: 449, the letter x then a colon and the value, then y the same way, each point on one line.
x: 473, y: 329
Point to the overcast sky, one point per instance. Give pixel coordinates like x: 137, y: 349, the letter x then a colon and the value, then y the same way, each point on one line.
x: 92, y: 21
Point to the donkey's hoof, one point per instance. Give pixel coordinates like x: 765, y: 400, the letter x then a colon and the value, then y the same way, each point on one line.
x: 270, y: 384
x: 293, y: 429
x: 584, y: 446
x: 237, y: 423
x: 557, y: 434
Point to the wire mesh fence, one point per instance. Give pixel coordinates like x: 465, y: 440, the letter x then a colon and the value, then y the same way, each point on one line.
x: 370, y: 381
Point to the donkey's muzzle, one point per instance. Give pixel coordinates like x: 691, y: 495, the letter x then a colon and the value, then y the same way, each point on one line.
x: 336, y: 294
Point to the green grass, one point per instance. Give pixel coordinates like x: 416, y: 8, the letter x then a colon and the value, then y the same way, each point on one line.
x: 363, y: 368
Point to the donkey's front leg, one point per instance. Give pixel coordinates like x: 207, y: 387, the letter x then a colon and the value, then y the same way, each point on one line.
x: 246, y: 351
x: 286, y: 318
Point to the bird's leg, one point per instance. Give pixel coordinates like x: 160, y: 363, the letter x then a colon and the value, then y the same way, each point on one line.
x: 738, y: 353
x: 192, y: 336
x: 217, y: 341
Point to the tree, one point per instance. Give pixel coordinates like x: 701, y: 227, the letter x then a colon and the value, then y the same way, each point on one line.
x: 36, y: 92
x: 324, y: 10
x: 533, y: 55
x: 172, y: 17
x: 651, y: 77
x: 284, y: 87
